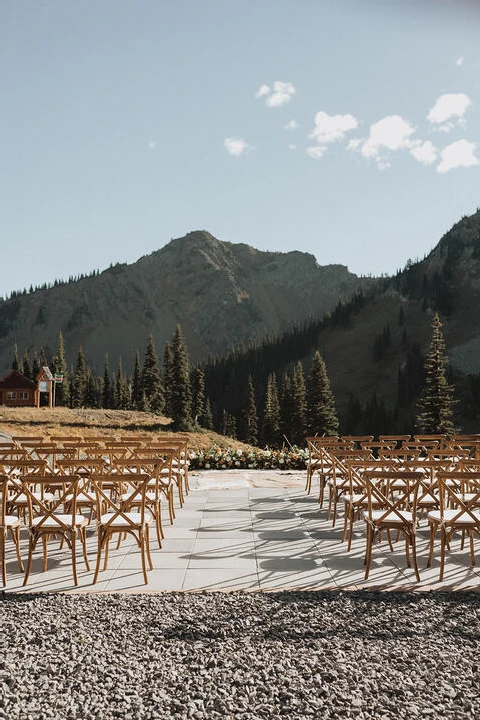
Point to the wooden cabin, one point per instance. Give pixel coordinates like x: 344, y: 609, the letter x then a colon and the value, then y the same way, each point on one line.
x: 16, y: 390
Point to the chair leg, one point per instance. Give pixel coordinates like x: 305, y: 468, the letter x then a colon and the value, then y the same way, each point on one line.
x: 3, y: 558
x: 99, y: 555
x: 16, y: 540
x: 443, y: 542
x: 83, y: 537
x: 368, y: 554
x: 31, y: 548
x: 73, y: 542
x: 414, y: 555
x: 433, y: 532
x: 141, y: 542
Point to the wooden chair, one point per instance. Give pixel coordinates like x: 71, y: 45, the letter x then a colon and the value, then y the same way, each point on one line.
x: 315, y: 456
x: 50, y: 519
x: 8, y: 524
x: 459, y: 494
x: 159, y: 470
x: 124, y: 511
x: 389, y: 509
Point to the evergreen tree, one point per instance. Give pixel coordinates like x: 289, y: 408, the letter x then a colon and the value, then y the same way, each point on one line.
x: 36, y: 367
x: 90, y: 398
x: 152, y: 386
x: 208, y: 417
x: 229, y: 425
x: 436, y: 402
x: 321, y: 414
x: 299, y: 398
x: 26, y: 369
x: 271, y: 431
x: 137, y: 395
x: 60, y: 368
x: 250, y: 418
x: 168, y: 378
x: 107, y: 399
x: 16, y: 359
x: 80, y: 381
x: 198, y: 397
x: 180, y: 390
x: 286, y: 406
x: 122, y: 395
x: 43, y: 357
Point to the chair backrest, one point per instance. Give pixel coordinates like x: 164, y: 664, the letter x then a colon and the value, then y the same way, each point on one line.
x: 45, y: 510
x: 22, y: 466
x: 87, y: 466
x: 117, y: 495
x: 460, y: 491
x: 4, y: 496
x: 380, y: 494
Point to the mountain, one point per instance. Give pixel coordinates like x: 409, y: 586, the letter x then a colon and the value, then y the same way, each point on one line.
x: 221, y: 293
x: 374, y: 344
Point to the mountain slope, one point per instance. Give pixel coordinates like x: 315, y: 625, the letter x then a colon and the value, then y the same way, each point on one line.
x: 221, y: 293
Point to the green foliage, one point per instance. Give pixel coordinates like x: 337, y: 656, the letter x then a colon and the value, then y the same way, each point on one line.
x: 137, y: 392
x: 381, y: 344
x: 152, y: 386
x: 107, y: 391
x: 271, y: 425
x: 16, y: 360
x: 198, y: 397
x: 180, y: 390
x: 298, y: 429
x: 59, y: 365
x: 79, y: 381
x: 250, y: 417
x: 436, y: 402
x: 321, y: 413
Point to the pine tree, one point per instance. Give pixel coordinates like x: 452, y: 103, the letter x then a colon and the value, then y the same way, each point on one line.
x: 90, y: 398
x: 250, y: 418
x: 137, y: 395
x: 180, y: 390
x: 26, y: 369
x: 198, y: 397
x: 286, y: 406
x: 60, y: 368
x: 299, y: 397
x: 80, y: 381
x: 122, y: 395
x: 321, y: 414
x: 436, y: 402
x: 168, y: 378
x: 16, y: 359
x: 152, y: 386
x: 36, y: 367
x: 271, y: 432
x: 107, y: 385
x: 208, y: 417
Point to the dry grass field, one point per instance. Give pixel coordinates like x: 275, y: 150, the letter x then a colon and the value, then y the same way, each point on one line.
x: 49, y: 422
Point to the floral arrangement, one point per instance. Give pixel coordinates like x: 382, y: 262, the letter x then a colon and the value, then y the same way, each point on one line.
x: 218, y: 458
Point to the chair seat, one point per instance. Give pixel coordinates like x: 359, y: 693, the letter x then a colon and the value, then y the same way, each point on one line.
x: 22, y: 499
x: 64, y: 519
x: 450, y: 515
x: 391, y: 518
x: 134, y: 518
x: 355, y: 498
x: 11, y: 521
x: 82, y: 498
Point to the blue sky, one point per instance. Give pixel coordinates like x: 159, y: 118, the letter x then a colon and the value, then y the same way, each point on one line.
x: 348, y: 129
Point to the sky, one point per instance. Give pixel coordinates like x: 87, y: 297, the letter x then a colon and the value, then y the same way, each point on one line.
x: 349, y: 129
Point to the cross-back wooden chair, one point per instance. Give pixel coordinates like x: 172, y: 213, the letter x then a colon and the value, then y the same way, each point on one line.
x: 178, y: 467
x: 315, y: 444
x: 20, y: 440
x: 51, y: 519
x: 159, y: 470
x: 459, y: 494
x: 8, y: 524
x: 355, y: 498
x: 398, y: 439
x: 391, y: 509
x: 122, y: 512
x: 84, y: 466
x: 337, y: 480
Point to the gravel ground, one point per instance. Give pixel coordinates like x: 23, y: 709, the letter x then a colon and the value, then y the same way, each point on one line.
x: 240, y: 655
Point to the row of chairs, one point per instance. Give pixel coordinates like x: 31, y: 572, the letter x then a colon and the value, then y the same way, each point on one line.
x: 394, y: 482
x: 57, y: 495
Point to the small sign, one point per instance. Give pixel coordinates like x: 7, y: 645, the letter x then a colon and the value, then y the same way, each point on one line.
x: 43, y: 385
x: 58, y: 377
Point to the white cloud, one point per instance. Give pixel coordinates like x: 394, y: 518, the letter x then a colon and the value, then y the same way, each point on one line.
x: 390, y: 134
x: 354, y: 144
x: 330, y: 128
x: 425, y: 152
x: 281, y: 93
x: 292, y: 125
x: 448, y: 106
x: 292, y: 146
x: 236, y: 146
x: 459, y: 62
x: 316, y: 151
x: 262, y: 91
x: 458, y: 154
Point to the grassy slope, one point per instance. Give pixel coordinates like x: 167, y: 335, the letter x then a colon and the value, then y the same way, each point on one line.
x: 63, y: 421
